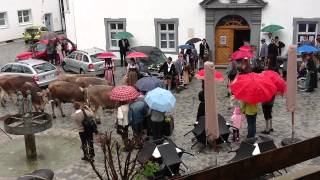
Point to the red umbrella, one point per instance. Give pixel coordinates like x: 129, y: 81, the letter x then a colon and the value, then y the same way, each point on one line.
x: 245, y: 48
x: 124, y: 93
x: 106, y: 55
x: 241, y: 55
x: 44, y: 41
x: 136, y: 55
x: 253, y: 88
x: 217, y: 75
x: 278, y: 81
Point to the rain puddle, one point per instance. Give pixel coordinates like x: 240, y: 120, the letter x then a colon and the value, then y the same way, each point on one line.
x: 54, y: 152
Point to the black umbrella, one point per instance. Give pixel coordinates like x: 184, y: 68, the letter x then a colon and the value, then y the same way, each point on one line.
x: 193, y: 40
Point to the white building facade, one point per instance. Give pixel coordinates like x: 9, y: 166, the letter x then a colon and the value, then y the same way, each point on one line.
x: 16, y: 15
x: 226, y: 24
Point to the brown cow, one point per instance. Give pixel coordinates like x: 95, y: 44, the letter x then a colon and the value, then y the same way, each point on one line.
x: 39, y: 99
x: 10, y: 84
x: 99, y: 96
x: 71, y: 77
x: 64, y: 92
x: 84, y: 82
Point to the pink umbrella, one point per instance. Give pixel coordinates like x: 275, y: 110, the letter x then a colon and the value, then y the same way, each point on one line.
x: 245, y: 48
x: 241, y: 55
x: 217, y: 75
x: 106, y: 55
x: 136, y: 55
x: 211, y: 115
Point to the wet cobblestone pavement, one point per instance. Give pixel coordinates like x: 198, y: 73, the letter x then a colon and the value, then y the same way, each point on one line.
x: 307, y: 126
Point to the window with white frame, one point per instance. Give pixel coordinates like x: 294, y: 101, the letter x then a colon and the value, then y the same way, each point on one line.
x: 24, y: 16
x: 308, y: 29
x: 167, y: 32
x: 3, y: 19
x: 114, y: 28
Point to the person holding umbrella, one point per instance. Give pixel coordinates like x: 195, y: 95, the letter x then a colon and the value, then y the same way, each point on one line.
x: 109, y: 70
x: 169, y: 72
x: 132, y: 72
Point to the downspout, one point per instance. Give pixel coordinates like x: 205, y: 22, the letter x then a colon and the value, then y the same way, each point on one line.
x: 62, y: 20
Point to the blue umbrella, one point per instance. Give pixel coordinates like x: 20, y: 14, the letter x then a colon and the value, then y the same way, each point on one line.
x: 186, y: 46
x: 161, y: 100
x: 149, y: 83
x: 307, y: 49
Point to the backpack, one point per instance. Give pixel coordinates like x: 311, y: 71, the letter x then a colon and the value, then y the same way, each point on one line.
x: 89, y: 124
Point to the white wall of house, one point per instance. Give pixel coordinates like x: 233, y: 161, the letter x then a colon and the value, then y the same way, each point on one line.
x: 87, y: 26
x: 14, y: 29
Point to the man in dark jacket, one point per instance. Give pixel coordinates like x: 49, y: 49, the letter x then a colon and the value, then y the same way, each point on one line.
x: 124, y: 48
x: 169, y: 72
x: 137, y: 112
x: 204, y: 51
x: 272, y: 54
x: 279, y: 45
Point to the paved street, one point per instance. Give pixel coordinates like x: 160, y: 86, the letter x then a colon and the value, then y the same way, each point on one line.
x: 307, y: 125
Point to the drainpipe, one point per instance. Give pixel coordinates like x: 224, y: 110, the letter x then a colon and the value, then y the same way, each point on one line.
x: 62, y: 19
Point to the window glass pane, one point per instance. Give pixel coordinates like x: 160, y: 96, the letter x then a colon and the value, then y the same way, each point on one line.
x: 113, y: 34
x: 171, y: 36
x: 2, y: 22
x: 27, y: 70
x: 171, y: 27
x: 114, y: 43
x: 163, y: 44
x: 1, y: 15
x: 85, y: 58
x: 25, y: 13
x: 72, y: 55
x: 171, y: 44
x: 78, y: 57
x: 312, y: 28
x: 26, y: 19
x: 120, y: 26
x: 163, y: 36
x: 20, y: 20
x: 302, y: 27
x: 19, y: 13
x: 44, y: 67
x: 163, y: 27
x: 113, y: 26
x: 311, y: 37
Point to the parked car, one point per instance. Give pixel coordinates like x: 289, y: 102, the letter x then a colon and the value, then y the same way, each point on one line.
x: 33, y: 33
x: 84, y: 62
x: 41, y: 71
x: 154, y: 61
x: 39, y: 50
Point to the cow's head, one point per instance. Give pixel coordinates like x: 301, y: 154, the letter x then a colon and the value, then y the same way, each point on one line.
x: 44, y: 96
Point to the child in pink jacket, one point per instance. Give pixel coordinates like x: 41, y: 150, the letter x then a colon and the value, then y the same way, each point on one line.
x: 236, y: 119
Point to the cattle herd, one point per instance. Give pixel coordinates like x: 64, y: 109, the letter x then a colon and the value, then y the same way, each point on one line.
x: 68, y: 88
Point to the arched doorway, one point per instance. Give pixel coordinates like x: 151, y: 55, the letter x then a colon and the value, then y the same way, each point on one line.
x: 232, y: 31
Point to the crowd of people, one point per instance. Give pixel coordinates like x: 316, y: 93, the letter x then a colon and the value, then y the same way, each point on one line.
x: 57, y: 50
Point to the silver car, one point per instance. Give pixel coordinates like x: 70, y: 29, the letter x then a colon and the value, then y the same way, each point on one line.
x: 41, y: 71
x: 84, y: 62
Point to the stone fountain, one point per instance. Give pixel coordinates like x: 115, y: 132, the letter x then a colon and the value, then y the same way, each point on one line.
x: 27, y: 123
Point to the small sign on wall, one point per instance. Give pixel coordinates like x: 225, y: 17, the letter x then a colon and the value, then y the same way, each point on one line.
x: 223, y: 40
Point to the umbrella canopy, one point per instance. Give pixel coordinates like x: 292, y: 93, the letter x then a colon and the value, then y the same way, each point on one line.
x: 106, y: 55
x: 161, y: 100
x: 124, y: 93
x: 307, y: 49
x: 217, y: 75
x: 137, y: 55
x: 272, y: 28
x: 278, y: 81
x: 193, y: 40
x: 245, y: 48
x: 253, y: 88
x: 123, y: 35
x: 241, y: 55
x: 186, y: 46
x: 49, y: 35
x: 149, y: 83
x: 44, y: 41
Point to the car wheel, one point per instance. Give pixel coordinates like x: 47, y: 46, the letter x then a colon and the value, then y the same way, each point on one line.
x: 26, y: 41
x: 82, y: 71
x: 63, y: 65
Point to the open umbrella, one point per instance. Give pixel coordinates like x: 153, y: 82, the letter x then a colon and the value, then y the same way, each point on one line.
x: 186, y: 46
x: 149, y: 83
x: 137, y: 55
x: 278, y: 81
x: 253, y: 88
x: 217, y: 75
x: 161, y: 100
x: 245, y: 48
x: 49, y: 35
x: 239, y: 54
x: 272, y: 28
x: 307, y: 49
x: 124, y: 93
x: 123, y: 35
x: 193, y: 40
x: 106, y: 55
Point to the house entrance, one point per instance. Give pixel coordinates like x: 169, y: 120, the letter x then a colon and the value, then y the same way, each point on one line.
x: 231, y: 33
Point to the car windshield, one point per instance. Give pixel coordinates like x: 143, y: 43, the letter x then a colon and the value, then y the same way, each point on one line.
x: 43, y: 67
x: 94, y: 58
x: 31, y: 30
x: 155, y: 55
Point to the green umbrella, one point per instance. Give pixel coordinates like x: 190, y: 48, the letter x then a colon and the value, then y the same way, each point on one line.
x: 123, y: 35
x: 272, y: 28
